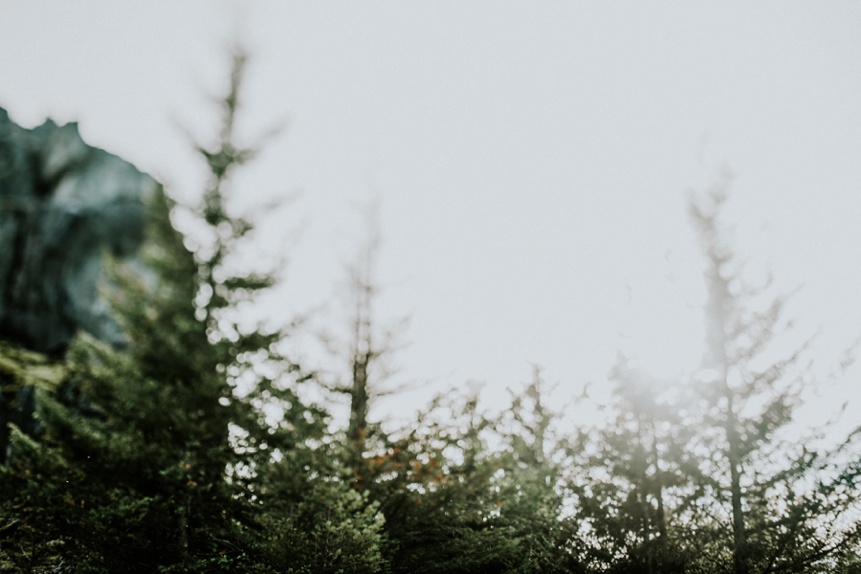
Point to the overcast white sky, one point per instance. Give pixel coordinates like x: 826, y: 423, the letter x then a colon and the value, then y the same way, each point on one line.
x: 533, y: 158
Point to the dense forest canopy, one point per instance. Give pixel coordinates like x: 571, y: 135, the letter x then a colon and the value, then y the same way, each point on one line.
x: 193, y: 445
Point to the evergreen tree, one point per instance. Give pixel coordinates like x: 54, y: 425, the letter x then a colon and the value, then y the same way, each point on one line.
x: 436, y: 493
x: 160, y: 475
x: 191, y: 449
x: 366, y: 349
x: 786, y: 505
x: 531, y: 490
x: 635, y: 480
x: 138, y: 483
x: 455, y: 504
x: 314, y: 520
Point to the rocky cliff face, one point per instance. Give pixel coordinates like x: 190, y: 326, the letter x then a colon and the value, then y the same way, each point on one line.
x: 62, y: 203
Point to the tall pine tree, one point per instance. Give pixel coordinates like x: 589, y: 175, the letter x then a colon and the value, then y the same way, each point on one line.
x: 785, y: 506
x: 161, y: 470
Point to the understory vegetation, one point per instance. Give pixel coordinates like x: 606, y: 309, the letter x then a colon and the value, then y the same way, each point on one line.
x: 196, y: 448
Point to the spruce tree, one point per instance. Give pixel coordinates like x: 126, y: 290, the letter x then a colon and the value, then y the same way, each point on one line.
x: 786, y: 505
x: 531, y: 493
x: 435, y: 487
x: 464, y: 491
x: 133, y: 484
x: 634, y: 479
x: 160, y: 472
x: 364, y: 351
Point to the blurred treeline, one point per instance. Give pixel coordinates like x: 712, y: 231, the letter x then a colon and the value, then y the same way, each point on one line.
x: 197, y: 449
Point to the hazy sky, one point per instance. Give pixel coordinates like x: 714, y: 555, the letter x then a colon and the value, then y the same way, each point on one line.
x: 533, y: 159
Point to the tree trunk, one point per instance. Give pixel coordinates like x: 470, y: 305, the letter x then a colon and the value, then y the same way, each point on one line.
x: 359, y: 402
x: 739, y: 550
x: 661, y: 517
x: 182, y: 541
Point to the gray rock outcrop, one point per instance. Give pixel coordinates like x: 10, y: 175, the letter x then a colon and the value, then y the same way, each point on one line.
x: 62, y: 203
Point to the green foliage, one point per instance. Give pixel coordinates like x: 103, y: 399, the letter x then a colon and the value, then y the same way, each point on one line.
x: 442, y: 502
x: 698, y: 476
x: 635, y: 481
x: 454, y: 504
x: 138, y: 480
x: 332, y: 529
x: 787, y: 505
x: 191, y: 449
x: 138, y: 466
